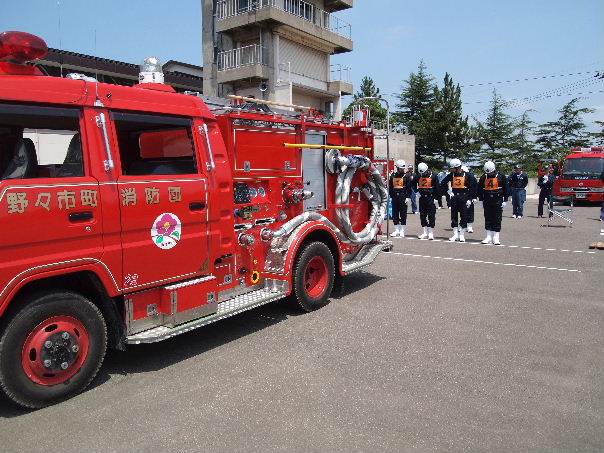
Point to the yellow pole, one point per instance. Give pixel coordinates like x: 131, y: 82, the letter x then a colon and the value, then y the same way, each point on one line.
x: 342, y: 148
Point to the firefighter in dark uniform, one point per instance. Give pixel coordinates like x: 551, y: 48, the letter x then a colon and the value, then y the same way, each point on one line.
x: 463, y: 187
x: 493, y: 192
x: 427, y: 185
x: 399, y: 187
x: 546, y: 183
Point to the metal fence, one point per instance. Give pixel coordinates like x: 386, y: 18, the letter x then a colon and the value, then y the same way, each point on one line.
x: 340, y: 73
x: 241, y: 56
x: 298, y: 8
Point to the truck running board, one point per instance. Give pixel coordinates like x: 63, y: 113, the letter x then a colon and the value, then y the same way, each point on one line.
x: 365, y: 257
x: 225, y: 309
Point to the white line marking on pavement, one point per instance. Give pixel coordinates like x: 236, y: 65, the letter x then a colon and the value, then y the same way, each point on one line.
x: 508, y: 246
x: 448, y: 258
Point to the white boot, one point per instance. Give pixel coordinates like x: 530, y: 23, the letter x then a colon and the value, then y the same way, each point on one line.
x: 431, y: 233
x: 462, y: 237
x: 455, y: 235
x: 489, y: 238
x: 424, y: 235
x: 395, y: 232
x: 401, y: 231
x: 470, y: 228
x: 496, y: 238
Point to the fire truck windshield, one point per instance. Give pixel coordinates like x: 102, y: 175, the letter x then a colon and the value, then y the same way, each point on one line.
x: 591, y: 167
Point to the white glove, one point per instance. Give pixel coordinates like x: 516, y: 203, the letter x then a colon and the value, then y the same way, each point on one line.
x: 468, y: 203
x: 436, y: 203
x: 545, y: 178
x: 407, y: 201
x: 503, y: 205
x: 451, y: 194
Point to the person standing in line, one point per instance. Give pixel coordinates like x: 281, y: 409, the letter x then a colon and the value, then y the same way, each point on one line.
x: 413, y: 190
x: 546, y: 183
x: 399, y: 189
x: 518, y: 182
x: 444, y: 191
x: 471, y: 208
x: 493, y: 192
x: 462, y: 192
x: 427, y: 185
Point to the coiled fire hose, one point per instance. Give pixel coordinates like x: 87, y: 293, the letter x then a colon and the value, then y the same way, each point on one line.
x: 345, y: 167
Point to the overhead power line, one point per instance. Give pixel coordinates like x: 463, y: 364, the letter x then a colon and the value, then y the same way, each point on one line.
x: 598, y: 73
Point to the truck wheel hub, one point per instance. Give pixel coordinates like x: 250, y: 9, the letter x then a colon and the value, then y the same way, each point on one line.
x: 55, y: 350
x: 316, y: 277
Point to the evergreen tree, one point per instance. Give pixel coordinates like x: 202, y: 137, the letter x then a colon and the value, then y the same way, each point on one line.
x: 415, y: 109
x: 368, y: 89
x: 598, y: 137
x: 495, y: 135
x: 569, y: 130
x: 449, y: 131
x: 523, y: 149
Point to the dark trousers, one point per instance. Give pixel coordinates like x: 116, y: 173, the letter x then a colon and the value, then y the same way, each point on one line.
x: 543, y: 194
x: 492, y: 214
x: 518, y: 197
x: 399, y: 211
x: 447, y: 197
x: 459, y: 211
x: 413, y: 202
x: 427, y: 211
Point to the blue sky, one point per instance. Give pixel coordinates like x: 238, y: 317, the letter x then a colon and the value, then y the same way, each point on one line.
x: 475, y: 41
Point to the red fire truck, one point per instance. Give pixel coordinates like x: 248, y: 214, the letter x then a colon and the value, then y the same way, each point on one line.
x: 580, y: 175
x: 133, y: 214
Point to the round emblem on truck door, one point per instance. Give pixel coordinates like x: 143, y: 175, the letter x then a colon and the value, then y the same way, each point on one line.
x: 166, y: 231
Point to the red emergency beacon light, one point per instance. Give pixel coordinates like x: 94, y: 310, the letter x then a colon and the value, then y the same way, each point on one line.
x: 18, y: 48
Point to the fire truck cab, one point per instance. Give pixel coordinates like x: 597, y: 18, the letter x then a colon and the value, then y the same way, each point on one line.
x: 580, y: 175
x: 133, y: 214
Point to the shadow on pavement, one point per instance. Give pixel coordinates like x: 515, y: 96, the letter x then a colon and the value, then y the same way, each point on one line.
x: 152, y: 357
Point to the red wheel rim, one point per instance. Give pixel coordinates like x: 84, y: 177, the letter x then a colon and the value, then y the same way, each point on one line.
x: 55, y: 350
x: 316, y: 277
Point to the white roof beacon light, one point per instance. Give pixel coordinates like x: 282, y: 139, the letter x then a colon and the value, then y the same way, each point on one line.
x: 151, y: 71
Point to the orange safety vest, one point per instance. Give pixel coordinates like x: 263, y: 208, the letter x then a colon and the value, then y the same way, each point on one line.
x: 398, y: 183
x: 425, y: 183
x: 459, y: 182
x: 491, y: 183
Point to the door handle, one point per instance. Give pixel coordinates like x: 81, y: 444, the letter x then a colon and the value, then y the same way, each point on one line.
x: 197, y: 206
x: 80, y: 216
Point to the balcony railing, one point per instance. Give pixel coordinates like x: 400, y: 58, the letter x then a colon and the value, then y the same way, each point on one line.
x: 241, y: 56
x: 298, y: 8
x: 340, y: 73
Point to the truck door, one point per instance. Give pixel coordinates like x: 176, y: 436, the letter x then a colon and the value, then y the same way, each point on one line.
x: 50, y: 205
x: 313, y: 172
x: 163, y: 200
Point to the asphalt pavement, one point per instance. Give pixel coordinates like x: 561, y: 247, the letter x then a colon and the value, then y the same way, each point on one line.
x: 437, y: 346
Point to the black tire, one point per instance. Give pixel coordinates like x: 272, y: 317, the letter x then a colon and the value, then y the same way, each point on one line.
x: 37, y: 309
x: 302, y: 297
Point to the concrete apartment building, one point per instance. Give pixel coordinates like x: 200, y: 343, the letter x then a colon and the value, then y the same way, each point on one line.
x: 279, y: 50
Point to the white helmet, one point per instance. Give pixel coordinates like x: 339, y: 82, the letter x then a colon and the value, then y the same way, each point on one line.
x: 422, y: 167
x: 455, y: 163
x: 489, y: 166
x: 465, y: 168
x: 400, y: 164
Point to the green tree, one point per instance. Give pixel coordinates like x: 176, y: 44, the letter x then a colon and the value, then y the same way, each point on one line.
x: 598, y: 137
x: 496, y: 134
x: 569, y: 130
x: 449, y: 130
x: 368, y: 89
x: 523, y: 148
x: 415, y: 109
